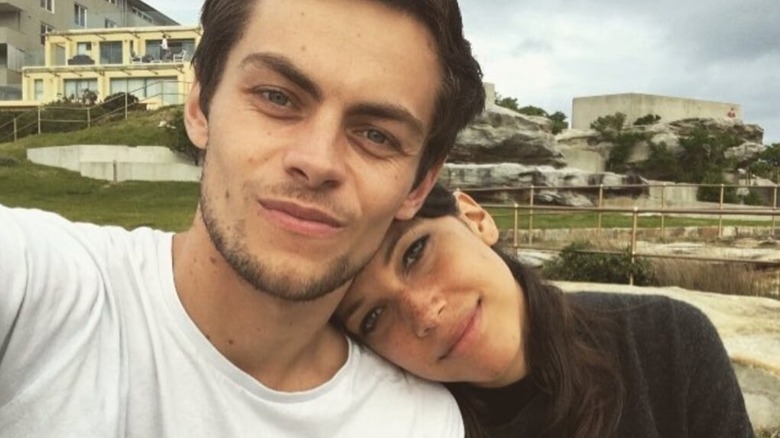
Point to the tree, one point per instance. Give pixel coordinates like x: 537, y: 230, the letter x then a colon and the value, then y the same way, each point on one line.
x: 559, y: 122
x: 507, y: 102
x: 648, y: 119
x: 610, y: 126
x: 531, y: 110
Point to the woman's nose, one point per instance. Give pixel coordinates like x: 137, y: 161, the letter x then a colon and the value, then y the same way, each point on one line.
x: 424, y: 310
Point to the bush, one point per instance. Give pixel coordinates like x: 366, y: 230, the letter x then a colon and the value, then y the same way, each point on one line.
x: 609, y: 126
x: 725, y: 278
x: 116, y: 101
x: 753, y: 198
x: 573, y: 264
x: 649, y: 119
x: 712, y: 193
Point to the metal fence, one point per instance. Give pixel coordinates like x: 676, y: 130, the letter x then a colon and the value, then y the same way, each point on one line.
x: 81, y: 114
x: 521, y: 232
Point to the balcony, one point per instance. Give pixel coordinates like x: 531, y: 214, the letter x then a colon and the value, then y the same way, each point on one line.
x: 12, y: 5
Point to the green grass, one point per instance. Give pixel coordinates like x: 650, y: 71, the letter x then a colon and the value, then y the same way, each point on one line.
x: 163, y: 205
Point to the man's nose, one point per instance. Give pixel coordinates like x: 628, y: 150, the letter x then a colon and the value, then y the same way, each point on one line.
x: 423, y: 310
x: 317, y: 158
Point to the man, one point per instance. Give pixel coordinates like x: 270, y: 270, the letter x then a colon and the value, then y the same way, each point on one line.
x: 321, y: 122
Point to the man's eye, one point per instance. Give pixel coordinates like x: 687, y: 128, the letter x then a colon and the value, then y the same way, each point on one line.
x: 276, y: 97
x: 414, y: 252
x: 376, y: 136
x: 369, y: 322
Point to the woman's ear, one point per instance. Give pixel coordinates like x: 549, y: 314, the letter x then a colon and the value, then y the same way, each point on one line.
x: 477, y: 218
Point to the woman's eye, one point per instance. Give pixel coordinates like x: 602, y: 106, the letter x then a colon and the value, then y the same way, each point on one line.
x: 276, y: 97
x: 415, y: 251
x: 369, y: 322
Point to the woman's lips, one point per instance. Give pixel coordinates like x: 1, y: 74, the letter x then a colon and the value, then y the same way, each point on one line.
x: 465, y: 334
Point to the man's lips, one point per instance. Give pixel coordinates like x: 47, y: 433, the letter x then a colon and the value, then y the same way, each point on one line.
x: 301, y: 219
x: 462, y: 334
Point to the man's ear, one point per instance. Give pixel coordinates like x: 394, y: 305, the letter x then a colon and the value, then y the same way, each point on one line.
x: 414, y: 200
x: 477, y: 218
x: 195, y: 120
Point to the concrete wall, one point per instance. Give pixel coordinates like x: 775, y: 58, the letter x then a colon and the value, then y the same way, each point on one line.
x: 590, y: 161
x: 585, y: 110
x: 118, y: 163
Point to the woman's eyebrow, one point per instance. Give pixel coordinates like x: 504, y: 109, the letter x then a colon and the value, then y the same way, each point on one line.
x: 393, y: 235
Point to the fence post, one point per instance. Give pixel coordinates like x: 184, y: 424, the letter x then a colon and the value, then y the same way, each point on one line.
x: 663, y: 215
x: 601, y: 204
x: 517, y: 224
x: 39, y: 119
x: 16, y: 138
x: 89, y: 117
x: 531, y: 216
x: 774, y: 212
x: 114, y: 171
x: 125, y: 105
x: 633, y: 246
x: 720, y: 207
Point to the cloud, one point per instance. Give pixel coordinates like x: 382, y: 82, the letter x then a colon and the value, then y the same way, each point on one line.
x: 545, y: 54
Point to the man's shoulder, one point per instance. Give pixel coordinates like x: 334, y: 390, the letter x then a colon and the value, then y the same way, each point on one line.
x: 425, y: 407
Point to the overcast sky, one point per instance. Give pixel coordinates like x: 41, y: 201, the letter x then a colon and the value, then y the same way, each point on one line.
x: 545, y: 53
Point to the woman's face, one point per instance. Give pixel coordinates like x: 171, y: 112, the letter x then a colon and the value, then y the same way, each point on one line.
x: 439, y: 302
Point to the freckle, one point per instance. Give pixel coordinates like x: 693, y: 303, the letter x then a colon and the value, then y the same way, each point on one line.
x: 213, y: 260
x: 227, y: 194
x: 208, y: 337
x: 231, y: 342
x: 303, y: 48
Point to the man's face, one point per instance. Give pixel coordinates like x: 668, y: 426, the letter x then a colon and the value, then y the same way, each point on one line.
x: 312, y: 140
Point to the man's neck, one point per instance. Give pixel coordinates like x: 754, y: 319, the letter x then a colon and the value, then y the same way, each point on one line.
x: 287, y: 346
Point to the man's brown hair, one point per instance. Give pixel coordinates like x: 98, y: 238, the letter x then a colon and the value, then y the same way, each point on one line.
x: 460, y: 98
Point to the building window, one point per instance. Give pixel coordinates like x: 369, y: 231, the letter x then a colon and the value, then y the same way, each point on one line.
x: 164, y: 89
x: 110, y: 24
x: 38, y: 88
x: 79, y: 15
x: 84, y: 48
x: 48, y: 5
x: 111, y: 52
x: 45, y: 28
x: 74, y: 88
x: 113, y: 2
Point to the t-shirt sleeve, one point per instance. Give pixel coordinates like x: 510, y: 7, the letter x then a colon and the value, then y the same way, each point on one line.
x: 51, y: 294
x: 715, y: 404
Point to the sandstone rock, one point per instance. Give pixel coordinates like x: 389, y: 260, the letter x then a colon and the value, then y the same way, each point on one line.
x: 502, y: 135
x: 512, y: 175
x: 749, y: 133
x: 744, y: 152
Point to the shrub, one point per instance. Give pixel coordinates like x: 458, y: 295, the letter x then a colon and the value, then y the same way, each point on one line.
x: 609, y: 126
x: 725, y: 278
x: 573, y: 263
x: 648, y: 119
x: 753, y: 198
x: 116, y: 101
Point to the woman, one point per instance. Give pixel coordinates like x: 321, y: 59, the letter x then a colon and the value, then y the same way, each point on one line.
x: 526, y: 360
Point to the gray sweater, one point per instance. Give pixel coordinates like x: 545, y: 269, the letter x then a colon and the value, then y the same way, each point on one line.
x: 678, y: 379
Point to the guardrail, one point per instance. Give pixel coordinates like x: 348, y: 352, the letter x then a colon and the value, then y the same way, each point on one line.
x: 518, y: 211
x: 36, y: 122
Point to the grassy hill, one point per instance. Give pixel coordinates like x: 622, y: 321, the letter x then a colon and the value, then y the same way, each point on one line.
x: 164, y: 205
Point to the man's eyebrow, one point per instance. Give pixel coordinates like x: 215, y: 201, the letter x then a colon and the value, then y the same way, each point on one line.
x: 389, y: 111
x: 285, y: 67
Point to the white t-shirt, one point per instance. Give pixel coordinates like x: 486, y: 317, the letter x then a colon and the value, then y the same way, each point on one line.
x: 94, y: 342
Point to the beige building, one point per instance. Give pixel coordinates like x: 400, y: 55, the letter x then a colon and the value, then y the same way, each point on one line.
x: 585, y: 110
x: 151, y: 63
x: 24, y: 24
